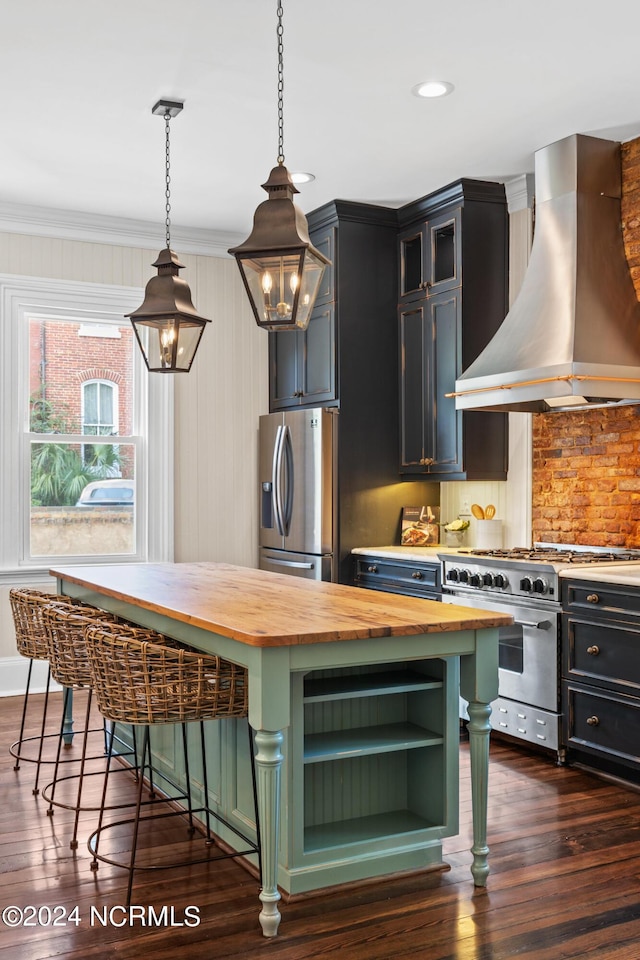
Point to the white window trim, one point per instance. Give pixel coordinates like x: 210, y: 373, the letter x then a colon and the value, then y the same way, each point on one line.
x: 22, y: 297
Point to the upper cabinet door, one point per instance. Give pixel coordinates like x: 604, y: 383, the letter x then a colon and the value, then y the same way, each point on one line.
x: 318, y: 356
x: 429, y: 257
x: 412, y: 279
x: 430, y: 426
x: 445, y: 253
x: 324, y: 241
x: 303, y: 362
x: 284, y: 370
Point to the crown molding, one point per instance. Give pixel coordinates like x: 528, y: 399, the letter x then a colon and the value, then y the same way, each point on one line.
x: 520, y: 192
x: 119, y: 231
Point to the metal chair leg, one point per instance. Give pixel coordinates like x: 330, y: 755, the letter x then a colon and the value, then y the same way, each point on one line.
x: 56, y: 768
x: 95, y: 836
x: 16, y: 766
x: 134, y: 841
x: 187, y: 774
x: 73, y: 843
x: 36, y: 789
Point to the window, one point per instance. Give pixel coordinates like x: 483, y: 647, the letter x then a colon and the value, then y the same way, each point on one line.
x: 99, y: 416
x: 99, y: 408
x: 71, y: 373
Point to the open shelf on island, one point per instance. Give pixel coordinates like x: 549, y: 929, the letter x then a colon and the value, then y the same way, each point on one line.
x: 363, y: 829
x: 376, y: 753
x: 359, y: 741
x: 367, y: 685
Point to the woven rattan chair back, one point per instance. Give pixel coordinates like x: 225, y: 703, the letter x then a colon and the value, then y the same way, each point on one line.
x: 65, y: 634
x: 27, y: 607
x: 141, y: 677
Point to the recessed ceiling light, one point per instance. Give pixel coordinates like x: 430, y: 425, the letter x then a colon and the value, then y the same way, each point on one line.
x: 302, y: 177
x: 433, y: 88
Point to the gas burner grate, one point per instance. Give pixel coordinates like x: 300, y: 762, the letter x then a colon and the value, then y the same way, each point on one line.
x: 556, y: 554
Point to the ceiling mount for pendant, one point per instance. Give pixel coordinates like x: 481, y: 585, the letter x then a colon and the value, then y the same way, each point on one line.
x: 280, y: 268
x: 166, y: 325
x: 170, y: 107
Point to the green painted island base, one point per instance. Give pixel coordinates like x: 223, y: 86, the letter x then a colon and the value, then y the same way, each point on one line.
x: 353, y: 701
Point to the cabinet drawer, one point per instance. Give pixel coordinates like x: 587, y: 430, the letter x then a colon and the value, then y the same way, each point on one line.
x: 421, y: 579
x: 606, y: 724
x: 602, y: 652
x: 601, y: 599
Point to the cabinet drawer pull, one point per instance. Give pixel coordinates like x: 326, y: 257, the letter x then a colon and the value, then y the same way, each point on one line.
x: 593, y: 721
x: 372, y: 569
x: 593, y: 598
x: 593, y: 651
x: 426, y: 461
x: 416, y: 575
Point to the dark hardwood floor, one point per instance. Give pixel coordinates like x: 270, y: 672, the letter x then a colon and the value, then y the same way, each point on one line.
x: 564, y: 883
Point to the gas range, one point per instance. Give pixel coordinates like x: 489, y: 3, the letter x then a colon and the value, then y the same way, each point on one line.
x: 525, y: 583
x: 522, y: 572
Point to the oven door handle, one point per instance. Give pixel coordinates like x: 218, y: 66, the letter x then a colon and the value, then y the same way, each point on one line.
x: 535, y: 625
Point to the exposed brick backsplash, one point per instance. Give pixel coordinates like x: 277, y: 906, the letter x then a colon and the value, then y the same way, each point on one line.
x: 586, y: 464
x: 586, y: 477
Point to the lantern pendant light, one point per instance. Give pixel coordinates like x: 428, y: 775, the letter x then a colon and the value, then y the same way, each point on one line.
x: 280, y: 267
x: 167, y: 327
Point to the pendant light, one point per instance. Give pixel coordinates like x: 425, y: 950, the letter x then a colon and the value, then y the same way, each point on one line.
x: 167, y: 327
x: 280, y: 267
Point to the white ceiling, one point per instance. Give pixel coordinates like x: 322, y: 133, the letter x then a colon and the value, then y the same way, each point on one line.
x: 80, y: 78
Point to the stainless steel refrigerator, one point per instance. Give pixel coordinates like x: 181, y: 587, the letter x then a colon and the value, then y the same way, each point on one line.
x: 298, y: 492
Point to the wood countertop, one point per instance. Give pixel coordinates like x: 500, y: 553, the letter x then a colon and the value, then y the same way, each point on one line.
x: 268, y: 609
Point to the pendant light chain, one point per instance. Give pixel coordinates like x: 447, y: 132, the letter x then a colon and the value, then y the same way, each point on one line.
x: 167, y: 190
x: 280, y: 268
x: 280, y: 86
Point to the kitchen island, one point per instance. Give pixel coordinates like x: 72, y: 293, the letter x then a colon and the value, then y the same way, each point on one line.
x: 353, y: 693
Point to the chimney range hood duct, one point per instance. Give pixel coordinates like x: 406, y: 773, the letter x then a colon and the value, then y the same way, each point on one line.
x: 572, y: 336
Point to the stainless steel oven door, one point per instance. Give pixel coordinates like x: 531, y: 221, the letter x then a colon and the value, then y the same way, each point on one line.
x: 528, y: 649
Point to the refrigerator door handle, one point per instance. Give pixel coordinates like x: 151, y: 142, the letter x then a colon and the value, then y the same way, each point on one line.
x: 287, y: 497
x: 277, y: 481
x: 297, y: 564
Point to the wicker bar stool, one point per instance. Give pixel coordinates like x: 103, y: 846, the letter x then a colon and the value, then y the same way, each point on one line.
x: 156, y: 680
x: 27, y: 607
x: 65, y: 627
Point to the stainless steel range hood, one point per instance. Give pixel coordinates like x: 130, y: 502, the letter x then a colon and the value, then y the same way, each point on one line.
x: 572, y: 336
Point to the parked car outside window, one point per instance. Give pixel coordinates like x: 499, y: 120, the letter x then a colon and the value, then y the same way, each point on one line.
x: 107, y: 493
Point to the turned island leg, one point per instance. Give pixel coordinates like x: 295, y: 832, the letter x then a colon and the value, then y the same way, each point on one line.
x: 269, y: 774
x: 479, y: 687
x: 479, y: 729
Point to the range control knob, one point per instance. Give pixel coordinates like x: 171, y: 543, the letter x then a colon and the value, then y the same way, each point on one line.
x: 500, y: 581
x: 526, y: 584
x: 475, y: 580
x: 463, y: 576
x: 488, y: 580
x: 453, y: 574
x: 540, y: 585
